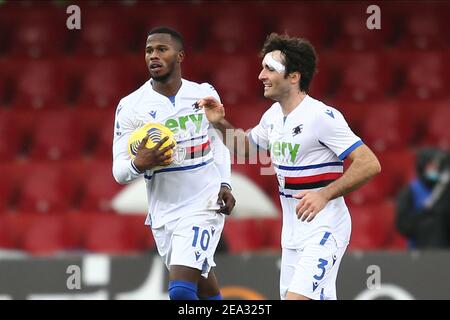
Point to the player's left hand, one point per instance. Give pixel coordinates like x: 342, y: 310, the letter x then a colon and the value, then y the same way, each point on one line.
x: 226, y: 201
x: 311, y: 202
x: 214, y: 110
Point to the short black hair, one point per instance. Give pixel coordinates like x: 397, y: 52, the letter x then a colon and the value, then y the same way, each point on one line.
x: 299, y: 55
x: 173, y: 33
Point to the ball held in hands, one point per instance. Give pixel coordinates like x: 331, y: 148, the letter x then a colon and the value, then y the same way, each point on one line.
x: 156, y: 132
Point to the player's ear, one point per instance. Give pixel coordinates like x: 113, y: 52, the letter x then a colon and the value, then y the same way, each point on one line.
x: 180, y: 56
x: 295, y: 77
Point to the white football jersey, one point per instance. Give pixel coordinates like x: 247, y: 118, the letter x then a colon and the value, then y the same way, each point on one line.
x: 201, y: 162
x: 307, y: 150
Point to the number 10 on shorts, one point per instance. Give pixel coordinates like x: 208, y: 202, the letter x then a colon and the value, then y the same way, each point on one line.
x: 204, y: 238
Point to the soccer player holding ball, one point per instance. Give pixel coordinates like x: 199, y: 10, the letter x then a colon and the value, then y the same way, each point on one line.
x: 187, y: 174
x: 308, y: 142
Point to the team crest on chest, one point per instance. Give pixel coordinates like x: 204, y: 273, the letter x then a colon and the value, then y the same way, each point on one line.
x: 179, y: 154
x: 297, y: 130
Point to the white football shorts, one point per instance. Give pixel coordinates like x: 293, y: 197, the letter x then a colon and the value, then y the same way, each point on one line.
x: 312, y: 270
x: 190, y: 241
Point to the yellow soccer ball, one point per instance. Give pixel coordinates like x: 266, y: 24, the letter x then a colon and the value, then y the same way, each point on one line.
x: 156, y: 132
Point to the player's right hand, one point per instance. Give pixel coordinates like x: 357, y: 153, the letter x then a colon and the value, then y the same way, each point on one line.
x: 154, y: 157
x: 214, y: 110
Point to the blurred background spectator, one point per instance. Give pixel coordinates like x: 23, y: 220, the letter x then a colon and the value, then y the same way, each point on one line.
x: 423, y: 207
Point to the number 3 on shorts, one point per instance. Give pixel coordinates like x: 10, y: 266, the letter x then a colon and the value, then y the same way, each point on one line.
x: 204, y: 239
x: 321, y: 266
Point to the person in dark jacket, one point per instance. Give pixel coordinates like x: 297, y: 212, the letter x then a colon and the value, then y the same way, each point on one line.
x: 423, y: 207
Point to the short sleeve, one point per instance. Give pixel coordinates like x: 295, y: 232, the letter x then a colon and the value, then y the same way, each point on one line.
x: 259, y: 135
x: 333, y: 131
x: 210, y: 90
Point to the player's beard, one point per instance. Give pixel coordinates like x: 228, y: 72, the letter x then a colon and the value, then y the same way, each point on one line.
x: 269, y: 95
x: 165, y: 77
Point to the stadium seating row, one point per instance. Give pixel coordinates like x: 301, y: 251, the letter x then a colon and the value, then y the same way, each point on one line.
x: 88, y: 185
x: 75, y: 134
x: 46, y: 234
x: 100, y: 83
x: 43, y: 234
x: 35, y: 32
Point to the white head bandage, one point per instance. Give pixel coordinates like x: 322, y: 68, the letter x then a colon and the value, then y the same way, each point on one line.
x: 273, y: 63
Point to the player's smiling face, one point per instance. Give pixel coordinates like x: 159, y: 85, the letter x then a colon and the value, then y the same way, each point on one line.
x: 162, y: 55
x: 272, y: 76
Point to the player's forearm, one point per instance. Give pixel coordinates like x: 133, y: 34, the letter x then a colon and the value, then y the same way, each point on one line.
x: 360, y: 171
x: 222, y: 158
x: 234, y: 139
x: 124, y: 171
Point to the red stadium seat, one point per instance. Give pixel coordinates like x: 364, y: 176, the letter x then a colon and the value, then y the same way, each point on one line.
x: 75, y: 172
x: 225, y: 30
x: 243, y: 235
x: 351, y: 23
x: 57, y: 135
x: 39, y: 85
x: 426, y: 75
x: 376, y: 190
x: 438, y: 128
x: 235, y: 77
x: 45, y: 188
x: 323, y: 82
x: 104, y: 33
x: 104, y: 83
x: 48, y: 235
x: 356, y: 36
x: 399, y: 166
x: 246, y: 114
x: 8, y: 187
x: 109, y: 233
x: 104, y: 137
x: 302, y: 22
x: 6, y: 190
x: 7, y: 237
x: 424, y: 31
x: 136, y: 67
x: 262, y: 175
x: 420, y: 111
x: 253, y: 234
x: 38, y: 34
x: 387, y: 127
x: 363, y: 76
x: 6, y: 25
x: 168, y: 15
x: 193, y: 68
x: 11, y: 136
x: 15, y: 227
x: 93, y: 123
x: 99, y: 187
x: 79, y: 221
x: 372, y: 226
x: 397, y: 241
x: 272, y: 230
x: 143, y: 232
x: 3, y: 88
x: 354, y: 112
x: 128, y: 232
